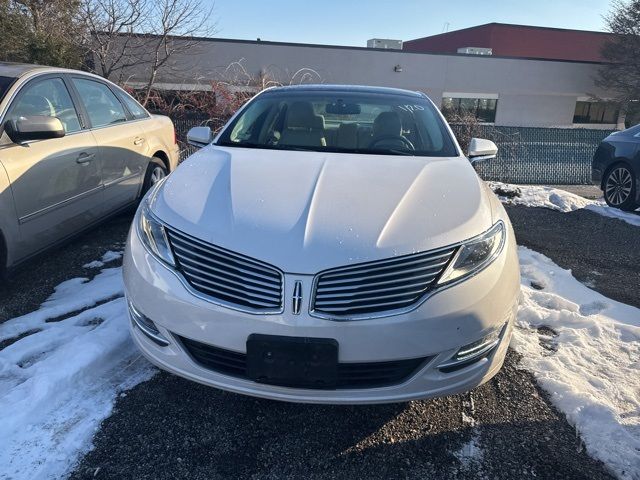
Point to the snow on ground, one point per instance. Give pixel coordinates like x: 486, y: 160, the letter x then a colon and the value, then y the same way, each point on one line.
x: 556, y: 199
x: 584, y: 349
x: 110, y: 256
x: 61, y: 368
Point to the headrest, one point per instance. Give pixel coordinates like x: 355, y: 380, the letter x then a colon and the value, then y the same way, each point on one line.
x: 302, y: 115
x: 387, y: 123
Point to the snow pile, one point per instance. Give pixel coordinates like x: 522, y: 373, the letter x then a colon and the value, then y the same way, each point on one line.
x: 108, y: 257
x: 584, y: 349
x: 60, y: 371
x: 556, y: 199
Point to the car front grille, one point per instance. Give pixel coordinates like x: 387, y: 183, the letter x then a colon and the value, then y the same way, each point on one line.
x: 234, y: 279
x: 350, y: 375
x: 374, y: 287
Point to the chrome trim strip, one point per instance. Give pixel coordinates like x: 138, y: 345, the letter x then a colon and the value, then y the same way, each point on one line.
x: 157, y: 337
x: 30, y: 216
x: 122, y: 179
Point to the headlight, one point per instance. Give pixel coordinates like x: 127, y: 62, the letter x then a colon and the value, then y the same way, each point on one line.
x: 153, y: 235
x: 475, y: 254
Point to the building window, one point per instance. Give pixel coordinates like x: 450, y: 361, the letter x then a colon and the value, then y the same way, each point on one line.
x: 595, y: 112
x: 457, y: 108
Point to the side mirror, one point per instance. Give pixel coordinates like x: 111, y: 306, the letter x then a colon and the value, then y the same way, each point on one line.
x: 34, y: 127
x: 199, y: 136
x: 481, y: 149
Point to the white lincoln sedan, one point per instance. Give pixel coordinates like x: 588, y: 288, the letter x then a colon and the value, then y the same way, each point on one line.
x: 330, y: 245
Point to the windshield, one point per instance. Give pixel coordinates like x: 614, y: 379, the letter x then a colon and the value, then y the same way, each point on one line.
x: 5, y: 83
x: 335, y: 121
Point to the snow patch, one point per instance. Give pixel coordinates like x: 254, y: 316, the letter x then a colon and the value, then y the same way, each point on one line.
x: 108, y: 257
x: 556, y: 199
x: 589, y: 363
x: 60, y: 379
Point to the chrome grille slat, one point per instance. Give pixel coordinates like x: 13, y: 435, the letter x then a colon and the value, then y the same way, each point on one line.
x: 234, y: 289
x: 356, y: 300
x: 220, y: 262
x: 224, y: 276
x: 388, y: 274
x: 373, y: 291
x: 227, y: 277
x: 374, y: 287
x: 207, y: 247
x: 426, y: 278
x: 216, y: 292
x: 388, y: 264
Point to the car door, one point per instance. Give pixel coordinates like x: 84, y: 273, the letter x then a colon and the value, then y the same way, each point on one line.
x: 56, y: 183
x: 121, y: 142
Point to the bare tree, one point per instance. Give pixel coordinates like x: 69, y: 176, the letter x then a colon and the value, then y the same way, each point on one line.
x: 621, y: 75
x: 110, y: 28
x: 175, y: 27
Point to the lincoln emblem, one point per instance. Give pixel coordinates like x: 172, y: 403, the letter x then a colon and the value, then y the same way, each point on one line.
x: 297, y: 297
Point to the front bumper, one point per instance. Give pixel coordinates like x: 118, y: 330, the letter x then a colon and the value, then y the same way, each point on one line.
x: 451, y: 318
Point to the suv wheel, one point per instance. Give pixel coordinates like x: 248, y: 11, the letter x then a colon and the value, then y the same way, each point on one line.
x: 619, y: 187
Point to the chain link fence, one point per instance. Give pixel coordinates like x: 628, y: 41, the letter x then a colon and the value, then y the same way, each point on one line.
x: 529, y: 155
x: 526, y: 155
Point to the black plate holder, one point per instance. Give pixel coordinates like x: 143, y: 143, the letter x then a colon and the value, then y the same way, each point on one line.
x: 299, y: 362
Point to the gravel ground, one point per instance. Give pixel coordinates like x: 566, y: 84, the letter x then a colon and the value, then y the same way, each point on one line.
x: 173, y: 428
x: 603, y: 253
x: 507, y: 429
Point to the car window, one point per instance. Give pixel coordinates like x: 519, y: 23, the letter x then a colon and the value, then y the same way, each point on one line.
x: 134, y: 107
x: 341, y: 121
x: 48, y: 97
x: 102, y: 106
x: 5, y: 83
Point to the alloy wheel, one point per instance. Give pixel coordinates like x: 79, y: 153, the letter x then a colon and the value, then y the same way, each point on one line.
x: 157, y: 174
x: 618, y: 186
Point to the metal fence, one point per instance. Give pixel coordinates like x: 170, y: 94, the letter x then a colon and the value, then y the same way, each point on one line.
x: 526, y: 155
x: 529, y: 155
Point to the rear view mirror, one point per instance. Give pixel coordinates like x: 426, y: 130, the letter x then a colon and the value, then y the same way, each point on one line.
x: 481, y: 149
x: 199, y: 136
x: 341, y: 108
x: 34, y: 127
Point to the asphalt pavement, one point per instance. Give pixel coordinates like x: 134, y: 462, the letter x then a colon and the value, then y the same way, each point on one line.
x: 168, y: 427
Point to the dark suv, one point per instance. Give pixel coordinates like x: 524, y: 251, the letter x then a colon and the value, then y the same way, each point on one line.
x: 616, y: 168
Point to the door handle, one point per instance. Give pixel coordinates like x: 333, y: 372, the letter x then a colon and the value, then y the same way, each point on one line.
x: 85, y: 158
x: 138, y: 141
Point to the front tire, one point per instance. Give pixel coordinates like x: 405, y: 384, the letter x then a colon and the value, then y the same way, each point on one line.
x: 156, y: 171
x: 619, y: 187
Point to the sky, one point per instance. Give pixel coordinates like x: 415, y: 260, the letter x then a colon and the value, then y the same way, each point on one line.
x: 344, y: 22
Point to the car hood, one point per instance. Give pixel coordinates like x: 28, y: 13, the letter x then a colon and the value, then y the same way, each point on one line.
x: 304, y: 212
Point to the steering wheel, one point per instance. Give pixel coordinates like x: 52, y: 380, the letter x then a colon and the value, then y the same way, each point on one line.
x: 388, y: 139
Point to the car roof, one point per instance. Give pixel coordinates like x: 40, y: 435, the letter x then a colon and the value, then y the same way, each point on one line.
x: 345, y: 88
x: 10, y: 69
x: 17, y: 70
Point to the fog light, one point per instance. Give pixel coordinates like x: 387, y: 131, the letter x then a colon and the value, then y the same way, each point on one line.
x: 146, y: 326
x: 472, y: 352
